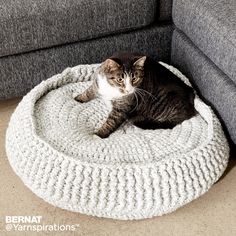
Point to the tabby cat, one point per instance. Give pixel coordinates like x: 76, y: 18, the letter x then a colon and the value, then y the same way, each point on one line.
x: 142, y: 90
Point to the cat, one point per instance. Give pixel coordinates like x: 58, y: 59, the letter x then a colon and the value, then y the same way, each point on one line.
x: 142, y: 90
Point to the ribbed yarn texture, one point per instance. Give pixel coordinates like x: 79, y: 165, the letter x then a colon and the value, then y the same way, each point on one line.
x: 133, y: 174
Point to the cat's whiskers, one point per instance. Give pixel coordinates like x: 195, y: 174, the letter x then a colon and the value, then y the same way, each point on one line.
x: 141, y: 95
x: 144, y: 92
x: 136, y: 103
x: 151, y: 95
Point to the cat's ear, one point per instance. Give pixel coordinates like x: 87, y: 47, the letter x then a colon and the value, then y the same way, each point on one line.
x: 110, y: 64
x: 140, y: 61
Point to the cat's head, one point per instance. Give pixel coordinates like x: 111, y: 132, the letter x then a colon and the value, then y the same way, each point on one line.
x: 120, y: 76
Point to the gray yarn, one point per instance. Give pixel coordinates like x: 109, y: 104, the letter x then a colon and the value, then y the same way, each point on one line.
x: 133, y: 174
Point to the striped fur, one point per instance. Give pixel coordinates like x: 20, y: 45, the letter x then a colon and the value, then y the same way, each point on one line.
x: 142, y: 90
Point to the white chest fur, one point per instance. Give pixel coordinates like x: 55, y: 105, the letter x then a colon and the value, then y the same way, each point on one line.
x: 106, y: 91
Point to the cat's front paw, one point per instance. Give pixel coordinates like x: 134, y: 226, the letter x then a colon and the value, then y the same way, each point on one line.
x: 80, y: 98
x: 102, y: 134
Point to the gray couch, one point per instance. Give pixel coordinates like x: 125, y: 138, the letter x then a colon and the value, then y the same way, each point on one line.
x: 204, y: 48
x: 41, y: 38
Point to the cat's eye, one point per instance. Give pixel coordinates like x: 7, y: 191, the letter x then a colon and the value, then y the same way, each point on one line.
x: 134, y: 79
x: 119, y: 79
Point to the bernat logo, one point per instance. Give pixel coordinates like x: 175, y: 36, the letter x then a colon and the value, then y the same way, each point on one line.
x: 35, y: 224
x: 23, y: 219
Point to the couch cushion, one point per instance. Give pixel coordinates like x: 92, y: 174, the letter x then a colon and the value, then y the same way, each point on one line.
x: 211, y: 25
x: 164, y: 10
x: 27, y: 25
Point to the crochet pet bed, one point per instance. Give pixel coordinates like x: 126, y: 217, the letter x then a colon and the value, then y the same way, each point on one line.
x: 133, y: 174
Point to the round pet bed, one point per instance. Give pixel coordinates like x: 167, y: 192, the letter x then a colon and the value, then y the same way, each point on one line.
x: 133, y: 174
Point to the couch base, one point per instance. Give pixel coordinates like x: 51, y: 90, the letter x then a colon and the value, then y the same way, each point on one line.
x: 216, y: 87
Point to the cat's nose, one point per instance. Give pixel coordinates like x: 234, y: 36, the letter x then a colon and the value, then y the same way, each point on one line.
x: 128, y: 91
